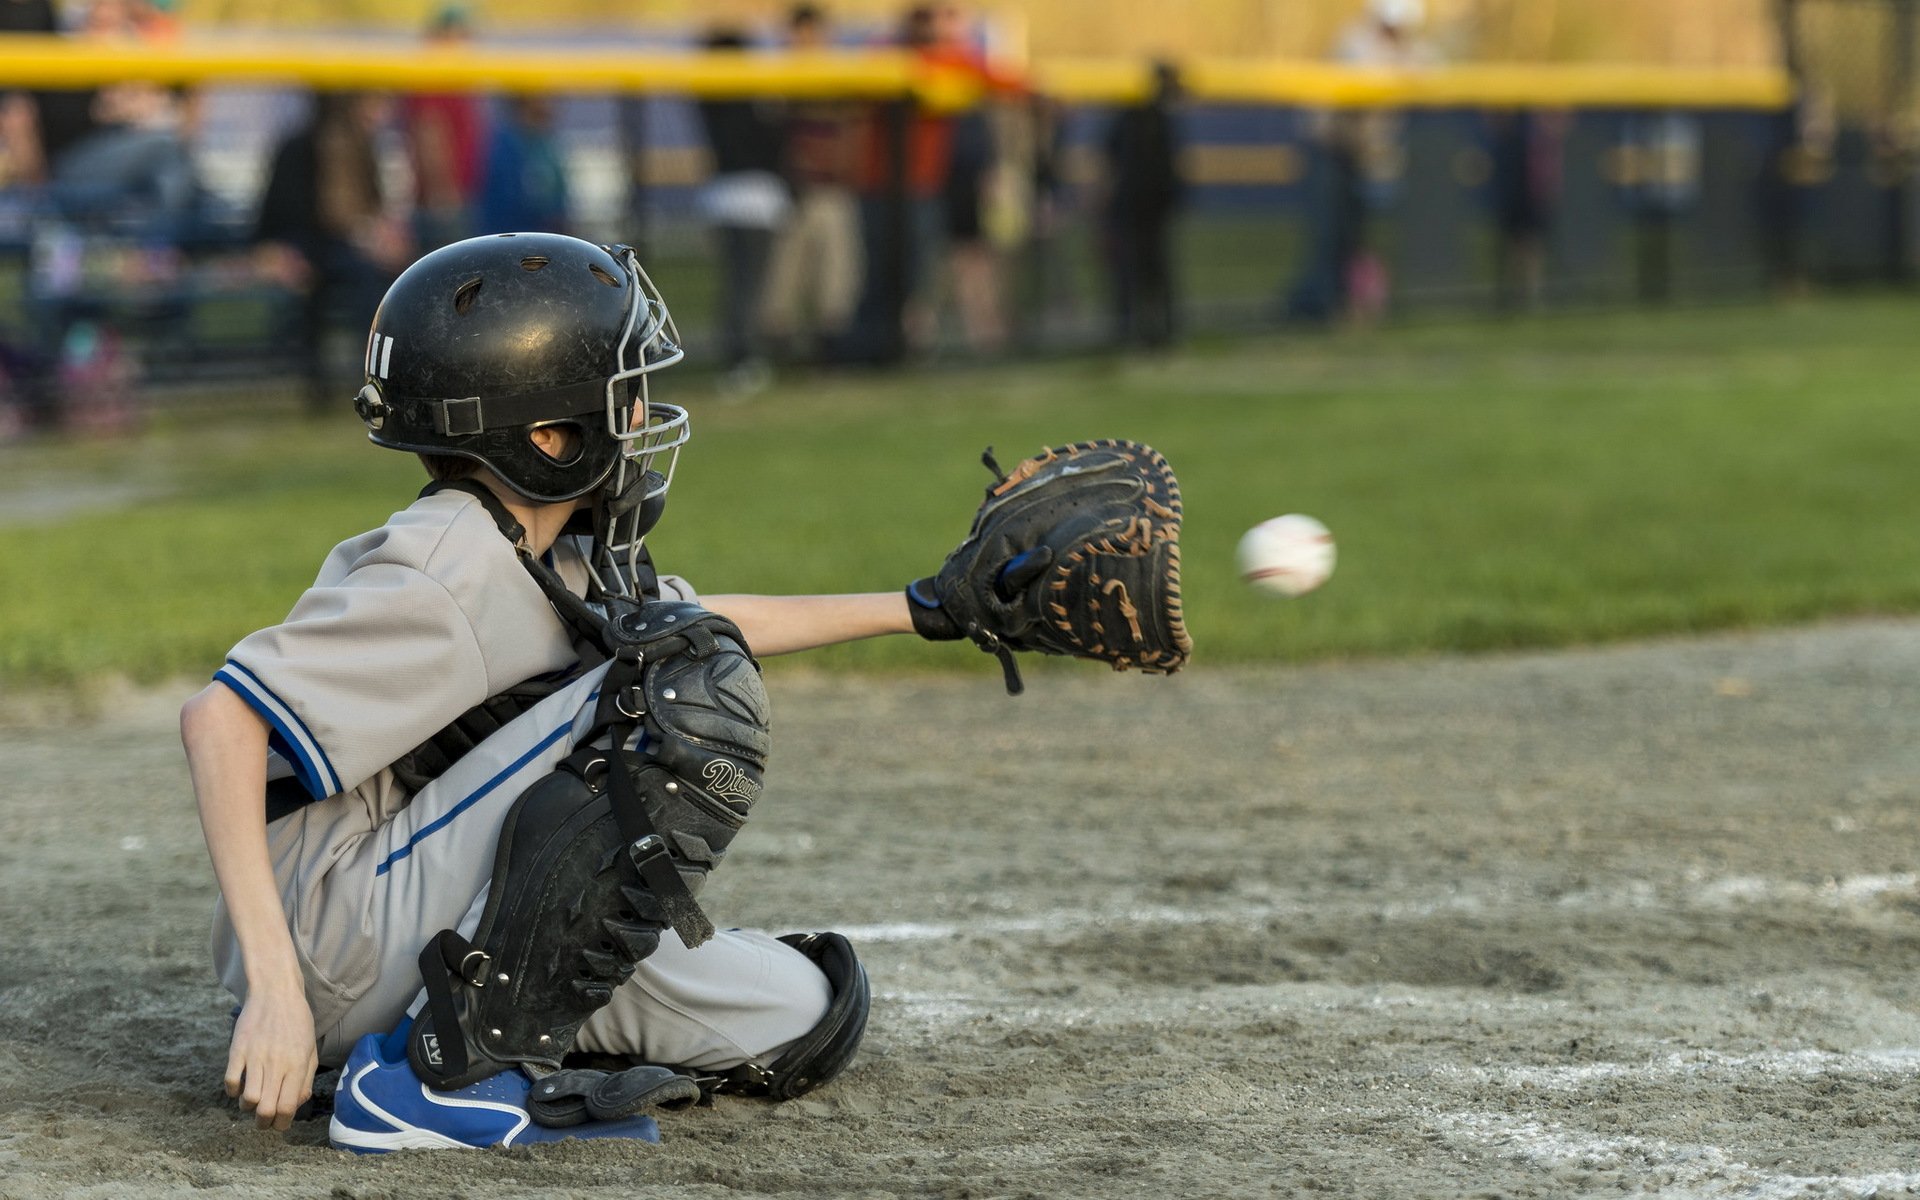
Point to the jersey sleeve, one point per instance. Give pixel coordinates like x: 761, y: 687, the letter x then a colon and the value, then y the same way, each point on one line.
x: 359, y: 674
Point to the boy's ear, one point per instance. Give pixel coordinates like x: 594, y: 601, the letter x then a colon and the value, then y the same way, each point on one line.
x: 558, y: 442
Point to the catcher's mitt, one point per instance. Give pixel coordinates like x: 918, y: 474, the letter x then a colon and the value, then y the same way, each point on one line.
x: 1076, y: 551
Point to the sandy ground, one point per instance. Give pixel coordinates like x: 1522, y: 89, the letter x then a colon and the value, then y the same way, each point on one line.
x: 1642, y: 920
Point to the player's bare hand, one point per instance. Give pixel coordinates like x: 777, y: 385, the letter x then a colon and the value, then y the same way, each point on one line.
x: 271, y: 1062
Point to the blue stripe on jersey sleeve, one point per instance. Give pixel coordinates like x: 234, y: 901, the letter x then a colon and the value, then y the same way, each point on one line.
x: 289, y: 735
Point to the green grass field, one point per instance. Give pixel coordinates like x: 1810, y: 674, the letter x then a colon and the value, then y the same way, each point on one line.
x: 1492, y: 486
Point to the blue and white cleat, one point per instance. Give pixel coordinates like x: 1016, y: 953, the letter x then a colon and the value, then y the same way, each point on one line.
x: 382, y: 1105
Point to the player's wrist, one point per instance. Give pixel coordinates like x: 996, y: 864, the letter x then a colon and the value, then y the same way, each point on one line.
x: 275, y: 976
x: 930, y: 620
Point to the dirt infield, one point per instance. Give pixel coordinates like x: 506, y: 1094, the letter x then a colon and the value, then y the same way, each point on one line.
x: 1642, y: 920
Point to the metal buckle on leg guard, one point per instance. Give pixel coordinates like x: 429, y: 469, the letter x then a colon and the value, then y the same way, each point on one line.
x: 747, y: 1079
x: 473, y: 968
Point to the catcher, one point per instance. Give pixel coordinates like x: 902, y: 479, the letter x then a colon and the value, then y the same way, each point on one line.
x: 461, y: 802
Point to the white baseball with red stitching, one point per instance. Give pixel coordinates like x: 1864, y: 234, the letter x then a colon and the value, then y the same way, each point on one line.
x: 1290, y: 555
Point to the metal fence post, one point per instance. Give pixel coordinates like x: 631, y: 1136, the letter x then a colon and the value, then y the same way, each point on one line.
x: 633, y: 128
x: 899, y: 274
x: 1902, y: 130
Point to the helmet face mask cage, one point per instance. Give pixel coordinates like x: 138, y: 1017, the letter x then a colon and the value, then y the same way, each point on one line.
x: 630, y: 499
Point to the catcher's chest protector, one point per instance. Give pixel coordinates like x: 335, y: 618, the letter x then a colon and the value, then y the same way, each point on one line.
x: 596, y: 858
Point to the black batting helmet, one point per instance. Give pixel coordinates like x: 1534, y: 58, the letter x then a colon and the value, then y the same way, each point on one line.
x: 486, y: 339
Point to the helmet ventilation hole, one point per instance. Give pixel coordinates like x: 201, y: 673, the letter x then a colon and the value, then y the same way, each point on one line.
x: 600, y: 273
x: 464, y: 297
x: 533, y: 262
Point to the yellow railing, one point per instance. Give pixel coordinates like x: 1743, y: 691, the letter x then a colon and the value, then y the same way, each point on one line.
x: 1326, y: 85
x: 39, y: 61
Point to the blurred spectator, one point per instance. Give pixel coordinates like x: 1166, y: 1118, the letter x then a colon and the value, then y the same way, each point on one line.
x: 1667, y: 149
x: 326, y: 230
x: 903, y: 230
x: 1046, y: 284
x: 24, y: 116
x: 971, y: 259
x: 157, y: 20
x: 1524, y: 147
x: 745, y: 201
x: 813, y: 281
x: 972, y: 262
x: 117, y: 152
x: 1143, y: 195
x: 111, y: 159
x: 900, y: 206
x: 1800, y: 152
x: 1359, y: 157
x: 525, y: 187
x: 446, y: 133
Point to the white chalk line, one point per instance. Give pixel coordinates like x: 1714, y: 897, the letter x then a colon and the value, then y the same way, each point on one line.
x: 1860, y: 892
x: 1885, y: 1063
x: 1704, y: 1171
x: 1067, y: 920
x: 1183, y: 1010
x: 1831, y: 893
x: 947, y: 1008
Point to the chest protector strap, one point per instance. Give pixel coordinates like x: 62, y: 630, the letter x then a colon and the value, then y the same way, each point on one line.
x: 435, y: 757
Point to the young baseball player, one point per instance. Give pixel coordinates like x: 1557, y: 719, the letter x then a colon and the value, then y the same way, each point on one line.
x: 499, y: 753
x: 444, y: 663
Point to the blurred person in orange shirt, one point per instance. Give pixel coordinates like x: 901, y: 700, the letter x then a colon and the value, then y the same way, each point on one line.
x: 976, y: 195
x: 895, y: 313
x: 156, y: 20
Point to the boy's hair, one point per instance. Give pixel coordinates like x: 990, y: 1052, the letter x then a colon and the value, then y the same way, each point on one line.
x: 445, y: 468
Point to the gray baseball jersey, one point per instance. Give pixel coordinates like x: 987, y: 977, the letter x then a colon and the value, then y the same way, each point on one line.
x: 406, y: 628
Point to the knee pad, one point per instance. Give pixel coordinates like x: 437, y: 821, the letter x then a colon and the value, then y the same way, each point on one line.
x: 597, y: 858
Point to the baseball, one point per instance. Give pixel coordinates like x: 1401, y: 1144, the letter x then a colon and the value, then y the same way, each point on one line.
x: 1290, y: 555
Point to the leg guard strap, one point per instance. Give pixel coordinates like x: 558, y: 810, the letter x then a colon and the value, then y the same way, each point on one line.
x: 600, y: 856
x: 823, y: 1051
x: 569, y: 1097
x: 570, y: 914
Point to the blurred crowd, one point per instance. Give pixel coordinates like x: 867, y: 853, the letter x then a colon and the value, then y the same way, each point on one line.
x: 853, y: 232
x: 839, y: 230
x: 84, y: 153
x: 845, y: 231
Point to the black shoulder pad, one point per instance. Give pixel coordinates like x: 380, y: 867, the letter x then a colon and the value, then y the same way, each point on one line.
x: 659, y: 620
